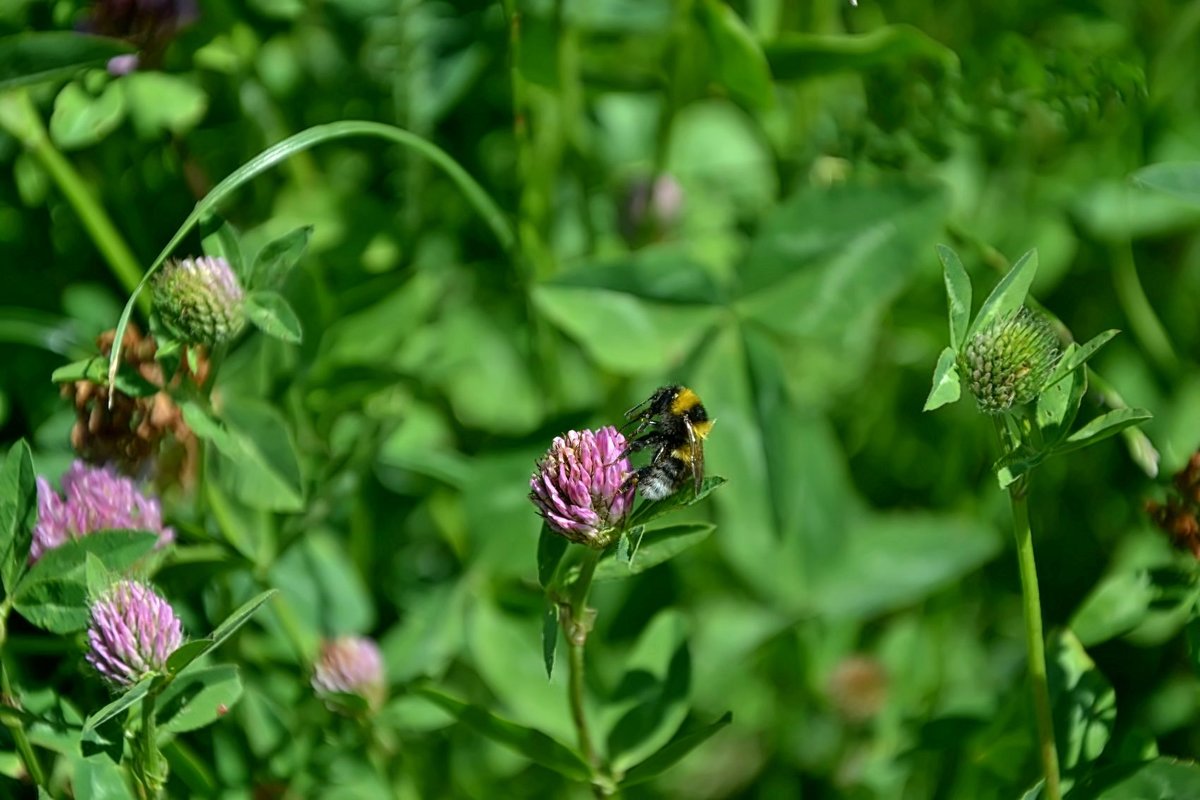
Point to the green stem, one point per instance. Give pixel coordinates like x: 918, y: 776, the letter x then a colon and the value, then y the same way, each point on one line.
x: 19, y: 117
x: 150, y: 772
x: 1019, y: 496
x: 17, y: 728
x: 1143, y: 320
x: 576, y: 626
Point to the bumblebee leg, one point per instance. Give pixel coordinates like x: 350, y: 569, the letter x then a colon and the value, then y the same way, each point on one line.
x: 652, y: 439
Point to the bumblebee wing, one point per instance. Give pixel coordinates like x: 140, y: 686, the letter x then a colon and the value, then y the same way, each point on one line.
x: 697, y: 459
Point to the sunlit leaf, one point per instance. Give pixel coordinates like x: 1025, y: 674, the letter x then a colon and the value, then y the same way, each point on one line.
x: 958, y: 295
x: 946, y: 387
x: 1009, y: 294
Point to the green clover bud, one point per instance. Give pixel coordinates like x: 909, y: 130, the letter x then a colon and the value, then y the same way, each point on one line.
x: 200, y: 300
x: 1007, y: 363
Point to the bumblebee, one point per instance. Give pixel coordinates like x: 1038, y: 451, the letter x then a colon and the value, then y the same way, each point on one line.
x: 675, y: 423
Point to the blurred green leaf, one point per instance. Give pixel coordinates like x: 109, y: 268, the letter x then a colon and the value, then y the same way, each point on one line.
x: 1009, y: 294
x: 429, y: 634
x: 163, y: 103
x: 198, y: 698
x: 685, y: 741
x: 946, y: 388
x: 650, y: 702
x: 720, y: 156
x: 1084, y: 706
x: 273, y: 315
x: 740, y: 63
x: 264, y: 469
x: 60, y: 335
x: 1102, y: 427
x: 1160, y: 779
x: 1115, y: 606
x: 800, y: 55
x: 18, y: 513
x: 657, y: 546
x: 533, y: 744
x: 506, y: 651
x: 1180, y: 179
x: 50, y: 55
x: 958, y: 295
x: 1111, y: 210
x: 631, y: 316
x: 276, y: 259
x: 81, y: 120
x: 323, y: 586
x: 897, y: 559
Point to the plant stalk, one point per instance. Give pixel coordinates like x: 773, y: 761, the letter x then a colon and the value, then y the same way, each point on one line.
x: 150, y: 760
x: 1035, y: 645
x: 17, y: 729
x: 576, y: 626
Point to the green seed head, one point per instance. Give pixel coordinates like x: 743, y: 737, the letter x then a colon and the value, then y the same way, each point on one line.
x: 200, y: 300
x: 1007, y: 363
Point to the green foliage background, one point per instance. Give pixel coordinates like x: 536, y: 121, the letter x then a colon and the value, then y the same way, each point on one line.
x: 823, y: 150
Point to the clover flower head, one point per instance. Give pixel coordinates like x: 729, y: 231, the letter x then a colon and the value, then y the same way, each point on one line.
x: 1007, y: 363
x: 650, y: 208
x: 578, y: 485
x: 353, y: 665
x: 200, y: 300
x: 133, y: 630
x: 96, y: 499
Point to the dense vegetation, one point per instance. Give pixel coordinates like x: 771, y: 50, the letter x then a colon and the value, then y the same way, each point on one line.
x: 500, y: 221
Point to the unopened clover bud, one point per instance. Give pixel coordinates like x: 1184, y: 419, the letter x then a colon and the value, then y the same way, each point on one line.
x: 350, y: 665
x: 97, y: 499
x: 578, y: 486
x: 200, y: 300
x: 132, y: 632
x: 1007, y: 363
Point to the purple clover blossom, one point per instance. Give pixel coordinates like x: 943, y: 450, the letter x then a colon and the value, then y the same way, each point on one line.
x: 97, y: 499
x: 650, y: 209
x: 577, y: 488
x: 350, y: 664
x: 132, y: 632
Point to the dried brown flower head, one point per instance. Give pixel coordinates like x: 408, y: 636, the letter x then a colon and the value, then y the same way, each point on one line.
x: 133, y: 433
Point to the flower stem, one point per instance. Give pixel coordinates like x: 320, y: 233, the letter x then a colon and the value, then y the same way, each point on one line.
x: 576, y: 626
x: 150, y: 771
x: 17, y: 729
x: 1019, y: 496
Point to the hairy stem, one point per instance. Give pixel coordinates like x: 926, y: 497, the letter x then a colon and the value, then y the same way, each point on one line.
x: 150, y: 772
x: 1019, y: 497
x: 577, y: 623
